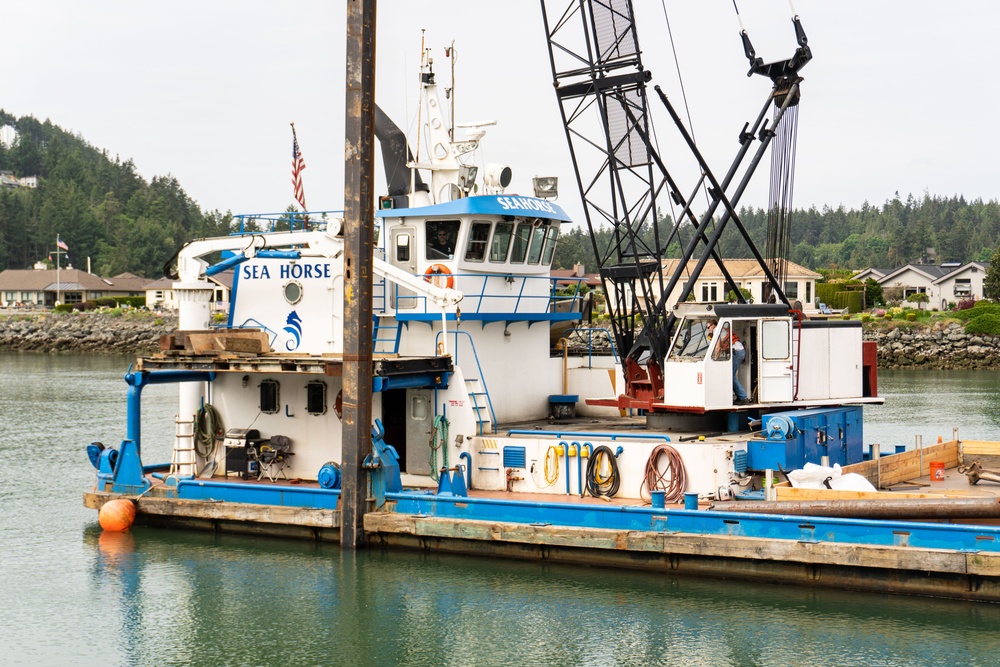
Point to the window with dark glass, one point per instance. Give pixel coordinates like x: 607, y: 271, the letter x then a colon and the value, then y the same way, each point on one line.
x: 549, y: 247
x: 501, y: 241
x: 441, y: 238
x: 479, y: 237
x: 520, y: 246
x: 316, y: 397
x: 535, y: 248
x: 269, y: 396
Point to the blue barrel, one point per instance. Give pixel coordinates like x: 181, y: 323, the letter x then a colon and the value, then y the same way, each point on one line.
x: 329, y: 476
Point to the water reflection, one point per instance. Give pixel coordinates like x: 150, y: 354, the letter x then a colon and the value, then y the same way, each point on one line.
x: 205, y: 600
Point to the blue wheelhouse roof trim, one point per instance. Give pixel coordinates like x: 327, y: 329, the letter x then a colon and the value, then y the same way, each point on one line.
x: 483, y: 205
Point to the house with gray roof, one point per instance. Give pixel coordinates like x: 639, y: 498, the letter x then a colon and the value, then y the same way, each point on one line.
x: 44, y: 287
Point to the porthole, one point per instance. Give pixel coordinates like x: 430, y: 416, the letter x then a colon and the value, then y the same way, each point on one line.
x: 269, y: 396
x: 316, y: 398
x: 293, y: 292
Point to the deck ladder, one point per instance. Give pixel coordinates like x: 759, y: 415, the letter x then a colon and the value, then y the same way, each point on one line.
x: 386, y: 332
x: 480, y: 405
x: 184, y: 458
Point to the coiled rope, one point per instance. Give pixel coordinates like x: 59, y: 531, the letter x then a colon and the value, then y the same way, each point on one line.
x: 671, y: 480
x: 207, y: 425
x: 603, y: 477
x: 439, y: 441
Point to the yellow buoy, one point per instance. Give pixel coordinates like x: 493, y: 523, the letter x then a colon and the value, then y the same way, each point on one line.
x: 117, y: 515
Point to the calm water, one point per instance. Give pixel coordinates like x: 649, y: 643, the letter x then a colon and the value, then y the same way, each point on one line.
x: 73, y: 595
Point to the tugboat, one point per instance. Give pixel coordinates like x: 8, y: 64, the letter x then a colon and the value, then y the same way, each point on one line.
x: 485, y: 439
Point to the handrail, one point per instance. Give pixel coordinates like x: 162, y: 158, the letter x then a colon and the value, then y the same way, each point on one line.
x: 582, y: 434
x: 590, y: 342
x: 315, y: 218
x: 524, y: 301
x: 479, y: 366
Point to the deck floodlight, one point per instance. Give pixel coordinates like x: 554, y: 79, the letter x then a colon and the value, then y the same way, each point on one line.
x: 546, y: 187
x: 467, y: 178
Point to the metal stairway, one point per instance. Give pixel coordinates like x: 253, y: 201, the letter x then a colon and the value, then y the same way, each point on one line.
x: 480, y: 405
x: 386, y: 332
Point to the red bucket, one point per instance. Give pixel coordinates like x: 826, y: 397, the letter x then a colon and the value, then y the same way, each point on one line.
x: 937, y: 471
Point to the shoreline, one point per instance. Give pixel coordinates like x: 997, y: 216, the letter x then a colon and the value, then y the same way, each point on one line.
x: 941, y: 346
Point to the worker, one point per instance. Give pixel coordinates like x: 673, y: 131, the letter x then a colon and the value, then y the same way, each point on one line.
x: 728, y: 346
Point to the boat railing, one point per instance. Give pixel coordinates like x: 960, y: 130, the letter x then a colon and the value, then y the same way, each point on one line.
x: 590, y: 331
x: 286, y: 221
x: 496, y: 296
x: 454, y: 349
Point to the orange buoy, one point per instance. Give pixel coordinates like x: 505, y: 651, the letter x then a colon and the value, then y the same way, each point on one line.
x: 117, y: 515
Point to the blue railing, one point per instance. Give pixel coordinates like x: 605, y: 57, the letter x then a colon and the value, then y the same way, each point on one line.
x: 497, y: 296
x: 475, y: 356
x: 590, y: 341
x: 285, y: 221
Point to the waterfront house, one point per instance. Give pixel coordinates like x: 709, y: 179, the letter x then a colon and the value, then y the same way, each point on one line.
x: 160, y: 293
x: 944, y: 284
x: 27, y: 288
x: 799, y: 283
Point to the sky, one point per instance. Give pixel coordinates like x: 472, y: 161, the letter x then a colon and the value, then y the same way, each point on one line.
x: 899, y: 97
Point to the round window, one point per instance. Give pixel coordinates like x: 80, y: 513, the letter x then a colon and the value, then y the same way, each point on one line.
x: 293, y: 292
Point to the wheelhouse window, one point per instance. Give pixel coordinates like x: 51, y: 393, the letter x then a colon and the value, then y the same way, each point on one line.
x: 549, y: 246
x: 502, y: 233
x: 479, y: 237
x: 441, y: 237
x: 519, y: 249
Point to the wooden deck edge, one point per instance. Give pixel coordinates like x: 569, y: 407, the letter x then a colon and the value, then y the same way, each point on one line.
x: 305, y: 517
x: 722, y: 546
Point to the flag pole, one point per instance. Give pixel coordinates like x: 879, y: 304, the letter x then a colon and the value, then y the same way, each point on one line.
x: 58, y: 273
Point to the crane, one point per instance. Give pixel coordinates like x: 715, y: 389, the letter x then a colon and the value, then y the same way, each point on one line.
x: 601, y: 87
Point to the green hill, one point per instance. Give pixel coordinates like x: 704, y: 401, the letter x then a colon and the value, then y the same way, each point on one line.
x: 99, y: 206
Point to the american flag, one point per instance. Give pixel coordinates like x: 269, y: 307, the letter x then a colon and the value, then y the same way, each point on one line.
x: 298, y: 164
x: 61, y: 244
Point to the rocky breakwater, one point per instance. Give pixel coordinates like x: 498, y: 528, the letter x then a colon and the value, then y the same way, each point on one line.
x: 114, y: 332
x: 942, y: 346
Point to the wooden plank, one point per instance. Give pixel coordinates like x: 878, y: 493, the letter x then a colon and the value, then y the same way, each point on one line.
x: 974, y: 447
x: 725, y: 546
x: 792, y: 493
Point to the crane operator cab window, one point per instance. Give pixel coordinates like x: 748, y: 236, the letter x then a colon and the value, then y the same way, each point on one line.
x: 441, y: 237
x: 692, y: 341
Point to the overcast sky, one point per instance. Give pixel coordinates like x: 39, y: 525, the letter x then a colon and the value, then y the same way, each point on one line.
x: 900, y: 96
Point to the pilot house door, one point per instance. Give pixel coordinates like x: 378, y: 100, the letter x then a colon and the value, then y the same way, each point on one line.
x: 775, y: 367
x: 404, y: 256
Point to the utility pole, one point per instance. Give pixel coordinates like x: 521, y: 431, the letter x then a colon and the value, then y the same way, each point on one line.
x: 359, y: 218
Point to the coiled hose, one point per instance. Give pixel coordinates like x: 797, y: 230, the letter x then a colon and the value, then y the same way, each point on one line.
x: 439, y: 440
x: 207, y: 425
x: 671, y: 480
x: 603, y: 477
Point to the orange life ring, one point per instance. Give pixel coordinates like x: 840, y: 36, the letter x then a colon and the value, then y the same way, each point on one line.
x: 435, y: 270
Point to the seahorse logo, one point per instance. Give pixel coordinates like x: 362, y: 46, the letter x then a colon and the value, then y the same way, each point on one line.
x: 294, y: 328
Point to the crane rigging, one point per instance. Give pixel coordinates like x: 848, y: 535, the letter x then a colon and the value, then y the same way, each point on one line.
x: 600, y: 83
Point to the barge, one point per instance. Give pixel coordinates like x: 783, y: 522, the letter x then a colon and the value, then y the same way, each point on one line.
x: 486, y: 440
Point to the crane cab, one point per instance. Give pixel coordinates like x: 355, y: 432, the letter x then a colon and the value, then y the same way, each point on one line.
x: 788, y: 361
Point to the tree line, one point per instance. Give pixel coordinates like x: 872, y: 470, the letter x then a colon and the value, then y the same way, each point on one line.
x: 98, y: 205
x: 104, y: 210
x: 931, y: 229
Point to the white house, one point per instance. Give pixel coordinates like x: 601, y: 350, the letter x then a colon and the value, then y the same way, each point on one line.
x: 943, y: 284
x: 711, y: 286
x: 965, y: 282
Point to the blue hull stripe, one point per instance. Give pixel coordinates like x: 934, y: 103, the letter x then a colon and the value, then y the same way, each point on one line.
x: 954, y: 537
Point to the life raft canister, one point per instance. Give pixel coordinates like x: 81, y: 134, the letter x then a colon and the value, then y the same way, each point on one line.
x: 436, y: 274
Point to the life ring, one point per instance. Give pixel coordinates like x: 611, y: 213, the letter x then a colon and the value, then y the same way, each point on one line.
x: 433, y: 272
